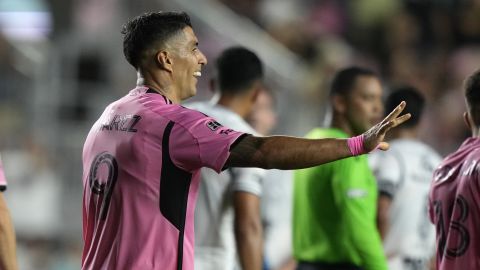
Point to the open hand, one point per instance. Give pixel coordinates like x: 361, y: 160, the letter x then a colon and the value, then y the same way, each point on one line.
x: 373, y: 138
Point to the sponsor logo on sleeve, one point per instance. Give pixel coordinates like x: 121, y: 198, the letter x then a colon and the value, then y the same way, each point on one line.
x: 213, y: 125
x: 356, y: 193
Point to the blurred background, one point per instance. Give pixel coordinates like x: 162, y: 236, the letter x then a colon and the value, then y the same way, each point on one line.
x: 61, y: 63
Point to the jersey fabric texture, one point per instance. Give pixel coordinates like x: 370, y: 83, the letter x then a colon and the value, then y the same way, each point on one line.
x: 404, y: 174
x: 334, y: 212
x: 276, y: 206
x: 454, y: 208
x: 3, y: 180
x: 215, y: 245
x: 142, y: 161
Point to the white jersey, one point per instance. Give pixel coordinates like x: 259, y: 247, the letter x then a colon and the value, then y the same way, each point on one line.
x: 404, y: 173
x: 276, y: 205
x: 215, y: 246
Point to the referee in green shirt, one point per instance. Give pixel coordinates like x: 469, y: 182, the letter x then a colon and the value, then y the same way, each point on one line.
x: 334, y: 211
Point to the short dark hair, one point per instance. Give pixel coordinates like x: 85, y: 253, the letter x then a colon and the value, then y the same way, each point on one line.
x: 237, y: 69
x: 150, y: 29
x: 472, y: 95
x: 344, y: 80
x: 415, y: 104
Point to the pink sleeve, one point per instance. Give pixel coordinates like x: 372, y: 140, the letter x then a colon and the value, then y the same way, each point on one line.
x: 3, y: 180
x: 201, y: 142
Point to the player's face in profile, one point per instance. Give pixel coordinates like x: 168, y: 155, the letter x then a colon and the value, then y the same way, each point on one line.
x: 187, y: 63
x: 365, y: 106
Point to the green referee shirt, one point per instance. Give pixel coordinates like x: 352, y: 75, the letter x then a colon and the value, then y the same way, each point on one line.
x: 334, y: 212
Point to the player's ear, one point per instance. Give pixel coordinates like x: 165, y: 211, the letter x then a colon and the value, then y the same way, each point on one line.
x: 467, y: 119
x: 164, y: 61
x: 339, y: 103
x: 257, y: 88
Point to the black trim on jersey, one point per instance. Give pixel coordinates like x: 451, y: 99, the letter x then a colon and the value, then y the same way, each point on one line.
x: 174, y: 187
x: 386, y: 194
x: 3, y: 188
x: 151, y: 91
x: 240, y: 138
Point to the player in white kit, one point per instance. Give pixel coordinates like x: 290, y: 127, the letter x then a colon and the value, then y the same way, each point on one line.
x: 404, y: 175
x: 228, y: 206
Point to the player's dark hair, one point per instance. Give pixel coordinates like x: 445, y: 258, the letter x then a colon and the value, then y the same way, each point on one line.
x: 472, y: 96
x: 415, y: 104
x: 344, y: 80
x: 150, y: 29
x: 237, y: 69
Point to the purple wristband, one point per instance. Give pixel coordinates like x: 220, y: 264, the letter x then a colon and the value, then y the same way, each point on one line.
x: 355, y: 144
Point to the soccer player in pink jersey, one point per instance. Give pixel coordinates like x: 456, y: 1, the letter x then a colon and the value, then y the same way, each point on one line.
x: 455, y: 194
x: 142, y: 157
x: 8, y: 259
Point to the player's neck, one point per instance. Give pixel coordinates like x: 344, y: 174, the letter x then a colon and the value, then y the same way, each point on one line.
x: 237, y: 105
x: 404, y: 133
x: 476, y: 132
x: 158, y: 84
x: 341, y: 123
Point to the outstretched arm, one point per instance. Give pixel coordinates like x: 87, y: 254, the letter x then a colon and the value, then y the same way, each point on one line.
x: 282, y: 152
x: 7, y: 238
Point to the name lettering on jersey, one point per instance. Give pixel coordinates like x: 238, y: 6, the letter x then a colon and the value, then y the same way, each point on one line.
x: 213, y: 125
x: 125, y: 123
x: 226, y: 131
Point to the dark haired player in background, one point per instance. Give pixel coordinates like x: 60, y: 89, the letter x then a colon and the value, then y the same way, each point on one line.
x: 404, y: 176
x: 228, y: 226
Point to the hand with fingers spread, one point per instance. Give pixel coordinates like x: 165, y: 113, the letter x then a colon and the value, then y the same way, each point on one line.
x: 373, y: 138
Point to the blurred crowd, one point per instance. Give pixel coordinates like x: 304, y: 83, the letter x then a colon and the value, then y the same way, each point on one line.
x: 55, y: 80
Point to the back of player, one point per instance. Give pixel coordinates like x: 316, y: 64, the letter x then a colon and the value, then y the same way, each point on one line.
x: 141, y: 171
x: 455, y: 193
x: 454, y: 210
x: 404, y: 175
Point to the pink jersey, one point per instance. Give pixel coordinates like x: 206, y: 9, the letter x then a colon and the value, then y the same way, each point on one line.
x: 454, y: 208
x: 3, y: 180
x: 141, y: 167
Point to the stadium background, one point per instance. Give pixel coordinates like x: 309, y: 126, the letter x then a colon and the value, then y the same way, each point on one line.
x: 61, y: 62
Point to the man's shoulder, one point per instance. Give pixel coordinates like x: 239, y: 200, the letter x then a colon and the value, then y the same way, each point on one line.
x: 223, y: 115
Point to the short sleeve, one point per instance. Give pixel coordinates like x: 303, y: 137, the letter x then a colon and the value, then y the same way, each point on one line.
x: 3, y: 180
x: 248, y: 180
x: 197, y: 140
x: 387, y: 170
